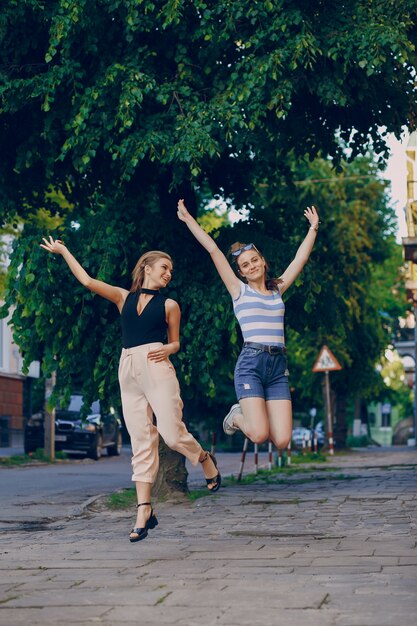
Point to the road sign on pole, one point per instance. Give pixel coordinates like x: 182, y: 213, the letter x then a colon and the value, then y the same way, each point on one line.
x: 326, y: 362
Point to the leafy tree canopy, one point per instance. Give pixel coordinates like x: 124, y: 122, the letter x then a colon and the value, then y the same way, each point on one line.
x: 334, y: 301
x: 110, y: 109
x: 97, y: 93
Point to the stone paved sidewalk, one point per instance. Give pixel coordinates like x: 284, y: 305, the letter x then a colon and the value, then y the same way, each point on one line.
x: 331, y: 547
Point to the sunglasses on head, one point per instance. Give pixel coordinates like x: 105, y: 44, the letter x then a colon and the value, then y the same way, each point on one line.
x: 248, y: 246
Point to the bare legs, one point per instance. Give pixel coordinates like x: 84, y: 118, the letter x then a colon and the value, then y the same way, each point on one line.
x: 209, y: 469
x: 253, y: 421
x: 144, y: 491
x: 262, y: 420
x: 280, y: 421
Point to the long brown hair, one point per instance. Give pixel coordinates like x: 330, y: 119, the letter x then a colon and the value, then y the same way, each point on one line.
x: 270, y: 283
x: 149, y: 258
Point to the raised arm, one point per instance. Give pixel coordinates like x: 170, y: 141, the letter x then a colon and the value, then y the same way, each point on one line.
x: 114, y: 294
x: 303, y: 252
x: 222, y: 264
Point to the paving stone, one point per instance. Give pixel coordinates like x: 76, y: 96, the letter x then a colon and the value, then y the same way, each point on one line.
x: 51, y: 615
x: 266, y: 615
x: 161, y: 614
x: 342, y: 559
x: 339, y: 553
x: 371, y: 617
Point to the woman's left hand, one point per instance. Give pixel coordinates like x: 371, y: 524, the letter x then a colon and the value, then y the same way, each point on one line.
x: 182, y: 212
x: 160, y: 354
x: 311, y: 214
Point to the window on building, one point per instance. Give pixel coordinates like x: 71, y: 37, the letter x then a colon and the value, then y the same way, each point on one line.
x: 386, y: 420
x: 386, y: 415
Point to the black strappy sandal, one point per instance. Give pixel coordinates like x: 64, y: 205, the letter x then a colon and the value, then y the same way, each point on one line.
x: 143, y: 532
x: 216, y: 480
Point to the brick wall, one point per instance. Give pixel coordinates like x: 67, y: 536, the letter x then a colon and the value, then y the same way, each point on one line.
x: 11, y: 400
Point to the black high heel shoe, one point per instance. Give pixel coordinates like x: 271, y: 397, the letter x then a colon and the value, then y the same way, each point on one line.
x: 216, y: 480
x: 149, y: 524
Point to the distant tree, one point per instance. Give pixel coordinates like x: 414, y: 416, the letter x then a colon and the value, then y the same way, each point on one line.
x: 352, y: 293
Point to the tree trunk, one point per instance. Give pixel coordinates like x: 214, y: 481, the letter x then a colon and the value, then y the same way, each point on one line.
x: 340, y: 425
x: 49, y: 421
x: 338, y: 412
x: 171, y: 481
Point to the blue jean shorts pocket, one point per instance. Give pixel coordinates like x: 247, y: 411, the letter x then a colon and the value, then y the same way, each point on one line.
x: 248, y: 373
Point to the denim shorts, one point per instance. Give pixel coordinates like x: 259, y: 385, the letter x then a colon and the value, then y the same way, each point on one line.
x: 259, y: 374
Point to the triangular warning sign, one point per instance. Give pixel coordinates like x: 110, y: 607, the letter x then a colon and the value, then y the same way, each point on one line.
x: 326, y: 361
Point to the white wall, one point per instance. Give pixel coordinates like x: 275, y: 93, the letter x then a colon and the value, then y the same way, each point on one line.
x: 10, y: 358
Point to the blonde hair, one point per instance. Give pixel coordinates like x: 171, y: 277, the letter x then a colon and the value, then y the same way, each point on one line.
x: 270, y: 283
x: 149, y: 258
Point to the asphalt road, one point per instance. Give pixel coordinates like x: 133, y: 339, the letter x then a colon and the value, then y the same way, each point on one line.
x: 37, y: 494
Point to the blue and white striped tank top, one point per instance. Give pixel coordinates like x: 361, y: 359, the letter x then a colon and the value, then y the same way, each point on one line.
x: 261, y: 317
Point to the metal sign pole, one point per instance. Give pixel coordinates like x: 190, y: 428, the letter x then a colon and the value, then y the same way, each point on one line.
x: 326, y: 361
x: 329, y: 413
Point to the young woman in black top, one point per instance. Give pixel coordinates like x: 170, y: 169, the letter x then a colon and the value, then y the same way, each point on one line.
x: 147, y: 378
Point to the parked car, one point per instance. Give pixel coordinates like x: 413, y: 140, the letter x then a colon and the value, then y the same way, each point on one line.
x: 320, y: 433
x: 299, y: 433
x: 90, y: 435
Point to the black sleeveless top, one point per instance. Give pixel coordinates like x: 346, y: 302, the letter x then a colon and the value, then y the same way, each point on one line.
x: 149, y: 326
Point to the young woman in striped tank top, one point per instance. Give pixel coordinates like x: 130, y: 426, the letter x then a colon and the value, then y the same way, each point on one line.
x: 261, y: 375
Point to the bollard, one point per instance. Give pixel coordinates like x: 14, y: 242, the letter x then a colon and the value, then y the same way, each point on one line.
x: 310, y: 442
x: 315, y: 443
x: 213, y: 444
x: 331, y: 448
x: 303, y: 443
x: 270, y: 455
x: 255, y: 457
x: 279, y: 458
x: 289, y: 454
x: 242, y: 460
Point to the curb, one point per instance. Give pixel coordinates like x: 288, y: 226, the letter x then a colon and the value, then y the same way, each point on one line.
x: 79, y: 509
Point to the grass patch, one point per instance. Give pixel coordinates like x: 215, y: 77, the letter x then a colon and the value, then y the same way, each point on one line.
x: 124, y: 499
x: 195, y: 494
x: 10, y: 461
x: 38, y: 456
x: 357, y: 442
x: 267, y: 477
x: 308, y: 457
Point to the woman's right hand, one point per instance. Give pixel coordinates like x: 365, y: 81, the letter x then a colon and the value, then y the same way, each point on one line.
x: 56, y: 246
x: 182, y: 211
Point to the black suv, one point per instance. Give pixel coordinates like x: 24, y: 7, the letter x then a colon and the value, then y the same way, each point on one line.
x: 97, y: 431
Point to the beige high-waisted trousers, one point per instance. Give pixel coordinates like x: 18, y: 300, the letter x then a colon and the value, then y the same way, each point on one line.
x: 149, y: 387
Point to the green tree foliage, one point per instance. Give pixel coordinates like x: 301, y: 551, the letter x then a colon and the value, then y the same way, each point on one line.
x: 351, y: 295
x: 396, y: 391
x: 111, y: 109
x: 97, y: 93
